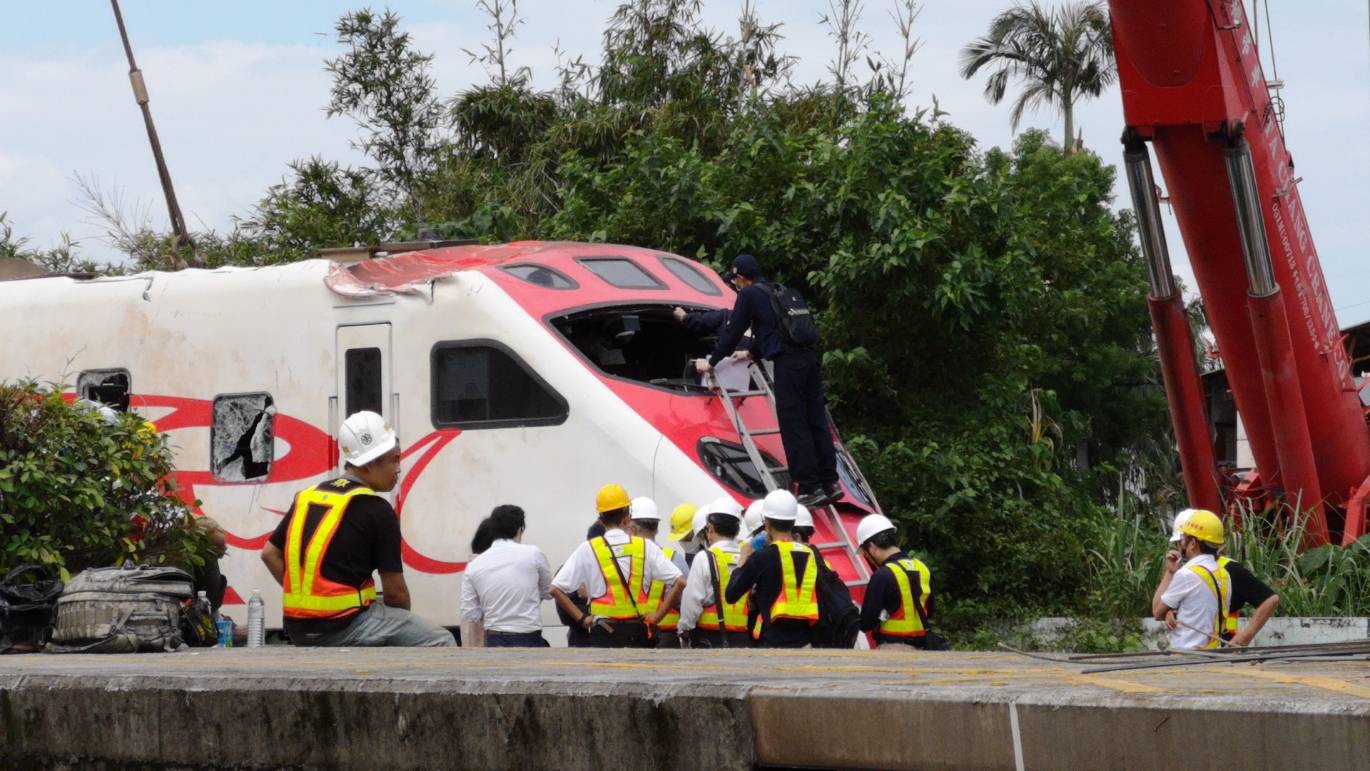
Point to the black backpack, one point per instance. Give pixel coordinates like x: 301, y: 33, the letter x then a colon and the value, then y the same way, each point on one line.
x: 839, y: 620
x: 794, y: 320
x: 26, y: 608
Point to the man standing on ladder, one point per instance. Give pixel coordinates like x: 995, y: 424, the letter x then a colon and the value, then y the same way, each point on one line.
x: 799, y: 401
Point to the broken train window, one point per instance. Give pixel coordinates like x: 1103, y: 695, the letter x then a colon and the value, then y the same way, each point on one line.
x: 241, y: 438
x: 110, y: 387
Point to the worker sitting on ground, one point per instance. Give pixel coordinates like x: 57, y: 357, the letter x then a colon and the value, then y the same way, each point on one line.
x: 682, y: 517
x: 1247, y: 591
x: 504, y: 587
x: 615, y: 570
x: 898, y: 603
x: 644, y: 522
x: 799, y: 402
x: 1192, y: 598
x: 335, y: 536
x: 700, y: 617
x: 784, y: 575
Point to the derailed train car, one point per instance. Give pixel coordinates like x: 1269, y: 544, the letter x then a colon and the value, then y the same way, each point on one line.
x: 526, y: 373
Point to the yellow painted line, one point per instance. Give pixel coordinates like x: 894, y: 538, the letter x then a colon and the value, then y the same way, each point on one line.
x: 1311, y: 681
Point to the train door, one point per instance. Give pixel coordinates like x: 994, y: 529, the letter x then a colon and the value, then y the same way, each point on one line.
x: 363, y: 371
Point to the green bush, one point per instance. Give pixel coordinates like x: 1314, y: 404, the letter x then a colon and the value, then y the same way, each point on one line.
x: 78, y: 490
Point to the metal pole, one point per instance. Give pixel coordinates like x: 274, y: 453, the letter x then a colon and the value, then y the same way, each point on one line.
x: 135, y: 77
x: 1174, y: 341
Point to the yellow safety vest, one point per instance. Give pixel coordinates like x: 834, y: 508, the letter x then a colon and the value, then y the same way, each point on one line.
x: 307, y: 593
x: 734, y: 613
x: 619, y: 601
x: 1233, y: 614
x: 796, y: 600
x: 1221, y: 586
x: 908, y: 620
x: 658, y: 590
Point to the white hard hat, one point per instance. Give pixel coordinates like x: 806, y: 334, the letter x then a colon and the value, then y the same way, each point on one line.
x: 1180, y: 519
x: 643, y: 508
x: 364, y: 437
x: 701, y: 520
x: 754, y: 518
x: 802, y: 516
x: 870, y: 526
x: 724, y: 504
x: 780, y: 505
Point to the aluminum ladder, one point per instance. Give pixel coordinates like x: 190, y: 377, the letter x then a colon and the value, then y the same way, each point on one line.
x: 760, y: 385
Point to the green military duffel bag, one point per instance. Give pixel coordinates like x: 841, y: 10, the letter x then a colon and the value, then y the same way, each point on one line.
x: 121, y: 610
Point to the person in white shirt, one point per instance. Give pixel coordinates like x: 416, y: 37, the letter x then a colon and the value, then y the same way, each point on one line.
x: 711, y: 570
x: 1192, y: 598
x: 504, y: 587
x: 616, y: 571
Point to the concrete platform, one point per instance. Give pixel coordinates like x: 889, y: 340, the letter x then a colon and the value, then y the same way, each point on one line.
x: 457, y: 708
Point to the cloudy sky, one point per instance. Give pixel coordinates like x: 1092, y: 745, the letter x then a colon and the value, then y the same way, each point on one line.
x: 238, y: 91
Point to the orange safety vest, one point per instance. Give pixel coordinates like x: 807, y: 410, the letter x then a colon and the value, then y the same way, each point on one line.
x: 658, y: 590
x: 1221, y: 585
x: 796, y: 600
x: 307, y: 593
x: 735, y: 613
x: 619, y: 601
x: 908, y: 620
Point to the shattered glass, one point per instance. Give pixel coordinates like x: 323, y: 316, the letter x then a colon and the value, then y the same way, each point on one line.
x: 241, y: 439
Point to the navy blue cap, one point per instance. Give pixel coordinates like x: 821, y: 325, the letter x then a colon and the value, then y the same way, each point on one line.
x: 746, y: 265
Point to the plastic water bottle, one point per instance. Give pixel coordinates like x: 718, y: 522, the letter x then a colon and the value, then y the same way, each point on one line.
x: 202, y: 600
x: 256, y: 620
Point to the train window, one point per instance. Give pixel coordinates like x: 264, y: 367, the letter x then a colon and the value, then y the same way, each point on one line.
x: 690, y: 275
x: 542, y: 276
x: 482, y: 384
x: 110, y: 387
x: 241, y: 437
x: 641, y: 342
x: 622, y: 273
x: 364, y: 381
x: 730, y: 464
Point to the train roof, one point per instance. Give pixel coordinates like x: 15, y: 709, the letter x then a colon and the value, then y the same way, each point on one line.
x: 542, y: 274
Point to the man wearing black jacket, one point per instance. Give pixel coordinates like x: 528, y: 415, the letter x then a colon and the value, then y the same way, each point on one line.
x: 799, y: 401
x: 781, y: 577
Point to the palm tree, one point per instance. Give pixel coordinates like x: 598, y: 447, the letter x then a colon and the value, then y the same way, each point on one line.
x: 1062, y: 56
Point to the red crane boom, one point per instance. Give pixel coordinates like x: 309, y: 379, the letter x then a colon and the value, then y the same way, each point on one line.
x: 1194, y: 89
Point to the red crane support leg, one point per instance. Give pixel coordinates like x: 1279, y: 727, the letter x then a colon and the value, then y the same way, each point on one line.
x: 1184, y: 393
x: 1298, y: 474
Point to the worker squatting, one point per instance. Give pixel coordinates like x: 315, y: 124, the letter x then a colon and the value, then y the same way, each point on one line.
x: 735, y: 580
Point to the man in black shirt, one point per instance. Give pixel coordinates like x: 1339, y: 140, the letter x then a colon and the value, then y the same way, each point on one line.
x: 781, y: 577
x: 335, y: 537
x: 799, y: 401
x: 1247, y: 591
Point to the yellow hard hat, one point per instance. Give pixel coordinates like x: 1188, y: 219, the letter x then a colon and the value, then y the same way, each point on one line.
x: 611, y: 498
x: 682, y: 519
x: 1205, y: 526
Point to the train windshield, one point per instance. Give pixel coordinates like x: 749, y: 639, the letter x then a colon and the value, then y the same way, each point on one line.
x: 642, y: 342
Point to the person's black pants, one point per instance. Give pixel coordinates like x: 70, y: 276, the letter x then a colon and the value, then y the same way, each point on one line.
x: 515, y: 640
x: 803, y: 415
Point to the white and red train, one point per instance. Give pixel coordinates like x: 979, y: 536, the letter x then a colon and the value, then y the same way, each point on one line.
x: 527, y: 373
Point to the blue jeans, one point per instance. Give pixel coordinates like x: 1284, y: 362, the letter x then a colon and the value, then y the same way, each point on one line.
x: 515, y: 640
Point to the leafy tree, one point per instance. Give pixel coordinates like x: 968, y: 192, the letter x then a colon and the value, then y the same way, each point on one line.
x: 80, y: 490
x: 323, y: 205
x: 1061, y: 56
x: 383, y: 84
